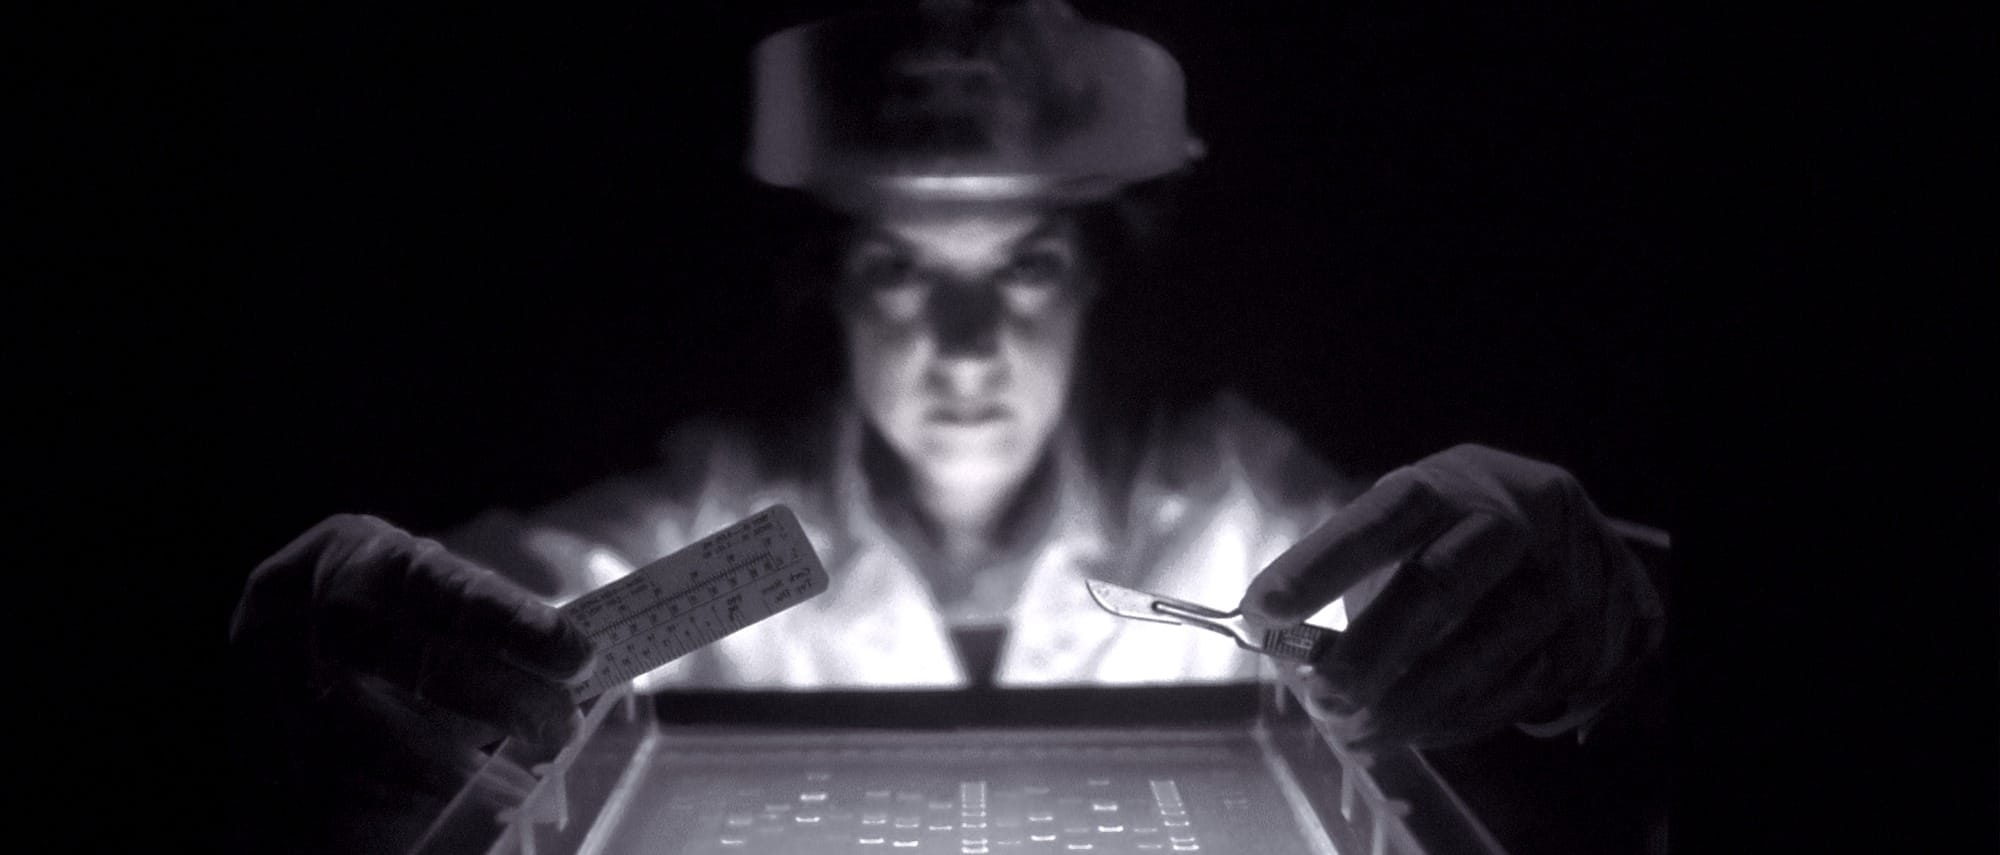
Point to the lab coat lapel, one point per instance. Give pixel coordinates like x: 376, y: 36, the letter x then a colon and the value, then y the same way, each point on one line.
x: 884, y: 607
x: 1058, y: 631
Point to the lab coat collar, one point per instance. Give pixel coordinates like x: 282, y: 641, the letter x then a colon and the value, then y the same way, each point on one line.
x: 1053, y: 596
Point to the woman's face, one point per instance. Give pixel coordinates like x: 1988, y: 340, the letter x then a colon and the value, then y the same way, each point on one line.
x: 961, y: 338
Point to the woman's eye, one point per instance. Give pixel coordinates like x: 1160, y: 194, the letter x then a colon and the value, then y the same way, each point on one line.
x: 901, y: 301
x: 1042, y: 267
x: 872, y: 270
x: 887, y: 283
x: 1033, y: 281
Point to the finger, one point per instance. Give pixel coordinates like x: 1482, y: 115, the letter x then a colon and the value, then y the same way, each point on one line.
x: 1343, y: 723
x: 475, y: 604
x: 1354, y: 731
x: 1322, y: 698
x: 372, y: 572
x: 1514, y: 691
x: 280, y: 589
x: 450, y: 673
x: 1424, y: 602
x: 1475, y: 674
x: 1311, y: 690
x: 503, y: 786
x: 1390, y: 521
x: 1319, y: 700
x: 363, y: 726
x: 473, y: 684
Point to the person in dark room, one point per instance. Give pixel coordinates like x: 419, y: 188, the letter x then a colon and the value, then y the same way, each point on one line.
x: 992, y: 184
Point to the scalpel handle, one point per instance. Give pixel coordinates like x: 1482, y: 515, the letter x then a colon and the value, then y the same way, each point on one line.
x: 1300, y: 643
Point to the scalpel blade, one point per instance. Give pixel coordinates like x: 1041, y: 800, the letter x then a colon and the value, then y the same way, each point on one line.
x: 1297, y: 643
x: 1126, y: 602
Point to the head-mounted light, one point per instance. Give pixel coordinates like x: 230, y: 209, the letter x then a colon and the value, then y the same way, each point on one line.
x: 965, y: 102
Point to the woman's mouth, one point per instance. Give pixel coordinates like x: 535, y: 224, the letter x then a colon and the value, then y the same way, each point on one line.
x: 967, y: 413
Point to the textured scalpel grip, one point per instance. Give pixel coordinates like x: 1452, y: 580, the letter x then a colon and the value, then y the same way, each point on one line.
x: 1297, y: 643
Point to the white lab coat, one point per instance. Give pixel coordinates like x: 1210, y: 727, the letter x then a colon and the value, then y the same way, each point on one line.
x: 1201, y: 504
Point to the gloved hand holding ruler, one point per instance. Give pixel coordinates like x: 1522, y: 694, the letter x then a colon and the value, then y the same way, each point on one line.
x: 692, y: 598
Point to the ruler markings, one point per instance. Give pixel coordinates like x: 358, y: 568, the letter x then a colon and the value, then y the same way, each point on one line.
x: 669, y: 601
x: 696, y: 596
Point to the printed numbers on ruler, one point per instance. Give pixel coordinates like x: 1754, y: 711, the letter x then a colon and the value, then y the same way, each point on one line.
x: 685, y: 601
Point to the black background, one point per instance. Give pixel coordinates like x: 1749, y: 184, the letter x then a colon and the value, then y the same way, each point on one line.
x: 424, y: 259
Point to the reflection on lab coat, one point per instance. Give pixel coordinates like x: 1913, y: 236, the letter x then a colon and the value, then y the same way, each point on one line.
x: 1199, y: 504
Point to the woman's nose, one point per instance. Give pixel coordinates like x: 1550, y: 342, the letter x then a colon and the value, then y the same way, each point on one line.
x: 966, y: 321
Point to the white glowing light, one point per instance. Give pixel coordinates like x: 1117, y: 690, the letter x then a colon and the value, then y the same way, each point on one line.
x: 970, y: 186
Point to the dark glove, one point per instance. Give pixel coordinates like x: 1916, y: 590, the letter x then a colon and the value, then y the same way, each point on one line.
x: 1511, y: 603
x: 381, y: 664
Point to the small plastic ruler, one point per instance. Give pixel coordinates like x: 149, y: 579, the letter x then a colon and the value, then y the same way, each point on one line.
x: 685, y: 601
